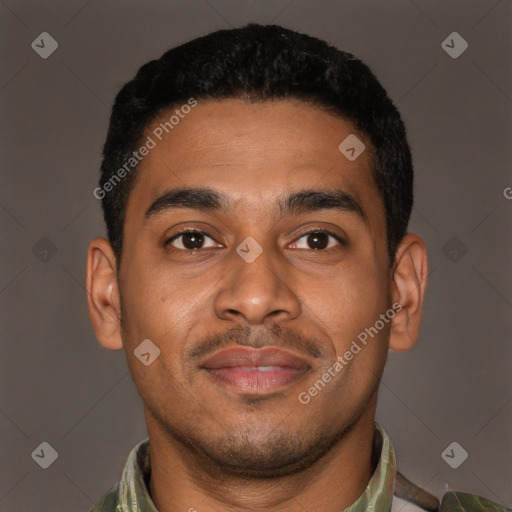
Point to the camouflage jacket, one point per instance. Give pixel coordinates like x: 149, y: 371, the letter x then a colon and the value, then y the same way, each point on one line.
x: 131, y: 494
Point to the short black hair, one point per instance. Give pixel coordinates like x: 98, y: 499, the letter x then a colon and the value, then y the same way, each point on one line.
x: 259, y: 63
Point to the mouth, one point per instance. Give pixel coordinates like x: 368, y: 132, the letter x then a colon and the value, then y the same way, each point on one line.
x: 255, y: 371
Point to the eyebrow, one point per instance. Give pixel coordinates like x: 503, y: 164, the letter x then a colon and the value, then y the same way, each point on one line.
x: 209, y: 200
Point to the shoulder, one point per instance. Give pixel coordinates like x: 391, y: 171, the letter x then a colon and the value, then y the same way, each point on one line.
x: 109, y: 502
x: 465, y: 502
x: 411, y: 498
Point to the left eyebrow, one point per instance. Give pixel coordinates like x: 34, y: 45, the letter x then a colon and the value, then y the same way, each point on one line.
x: 314, y: 200
x: 209, y: 200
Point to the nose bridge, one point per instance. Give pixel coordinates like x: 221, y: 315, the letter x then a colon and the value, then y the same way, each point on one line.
x: 257, y: 265
x: 257, y: 284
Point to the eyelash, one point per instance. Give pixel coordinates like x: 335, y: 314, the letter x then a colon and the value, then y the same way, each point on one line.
x: 168, y: 242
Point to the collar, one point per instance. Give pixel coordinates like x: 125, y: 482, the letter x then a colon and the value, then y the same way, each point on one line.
x: 378, y: 494
x: 131, y: 494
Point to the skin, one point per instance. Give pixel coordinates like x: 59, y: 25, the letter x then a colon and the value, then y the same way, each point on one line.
x: 214, y: 448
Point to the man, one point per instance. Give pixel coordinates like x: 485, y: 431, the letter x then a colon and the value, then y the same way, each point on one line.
x: 256, y: 187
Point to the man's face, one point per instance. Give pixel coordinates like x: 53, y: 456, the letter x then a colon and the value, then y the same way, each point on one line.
x: 242, y: 336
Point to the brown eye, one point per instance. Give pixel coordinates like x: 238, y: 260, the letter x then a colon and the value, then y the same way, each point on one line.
x: 317, y: 240
x: 191, y: 241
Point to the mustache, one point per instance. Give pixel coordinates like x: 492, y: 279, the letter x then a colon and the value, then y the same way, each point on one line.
x: 272, y: 336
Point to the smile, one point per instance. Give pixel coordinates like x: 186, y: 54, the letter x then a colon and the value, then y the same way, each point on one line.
x: 255, y: 371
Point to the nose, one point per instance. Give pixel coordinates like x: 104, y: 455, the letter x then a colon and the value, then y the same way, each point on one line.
x: 257, y: 291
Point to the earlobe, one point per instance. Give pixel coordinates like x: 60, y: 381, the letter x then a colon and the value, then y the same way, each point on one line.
x: 103, y: 294
x: 409, y: 284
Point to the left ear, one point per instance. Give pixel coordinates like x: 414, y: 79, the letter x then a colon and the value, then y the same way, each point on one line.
x: 410, y: 272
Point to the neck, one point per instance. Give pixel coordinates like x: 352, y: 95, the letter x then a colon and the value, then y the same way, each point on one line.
x: 180, y: 480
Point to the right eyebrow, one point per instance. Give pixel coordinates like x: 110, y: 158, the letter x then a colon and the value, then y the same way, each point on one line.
x: 204, y: 199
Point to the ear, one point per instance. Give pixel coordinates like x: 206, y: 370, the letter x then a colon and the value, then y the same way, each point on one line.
x: 103, y: 294
x: 409, y: 282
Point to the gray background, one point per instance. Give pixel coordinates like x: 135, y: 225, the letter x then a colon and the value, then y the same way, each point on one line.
x: 60, y: 386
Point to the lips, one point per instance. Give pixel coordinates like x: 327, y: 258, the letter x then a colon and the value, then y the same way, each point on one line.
x: 255, y: 371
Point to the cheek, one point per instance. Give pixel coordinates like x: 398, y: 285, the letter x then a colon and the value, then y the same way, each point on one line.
x: 152, y: 311
x: 162, y: 306
x: 351, y: 306
x: 156, y: 299
x: 347, y: 301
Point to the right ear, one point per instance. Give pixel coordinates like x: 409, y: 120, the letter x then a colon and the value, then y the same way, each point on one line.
x: 103, y: 294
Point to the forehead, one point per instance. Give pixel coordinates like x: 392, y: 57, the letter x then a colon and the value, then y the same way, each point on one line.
x: 252, y: 152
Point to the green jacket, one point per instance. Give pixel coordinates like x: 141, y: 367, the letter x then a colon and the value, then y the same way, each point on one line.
x: 465, y: 502
x: 131, y: 493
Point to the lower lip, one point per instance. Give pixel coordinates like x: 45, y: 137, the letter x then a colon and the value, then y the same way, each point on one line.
x: 257, y: 381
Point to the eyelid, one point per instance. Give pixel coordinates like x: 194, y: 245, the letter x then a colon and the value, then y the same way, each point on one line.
x: 325, y: 231
x: 171, y: 239
x: 341, y: 241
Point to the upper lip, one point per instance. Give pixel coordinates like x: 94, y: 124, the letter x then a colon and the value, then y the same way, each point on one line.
x: 253, y: 358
